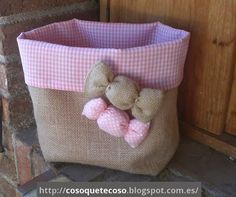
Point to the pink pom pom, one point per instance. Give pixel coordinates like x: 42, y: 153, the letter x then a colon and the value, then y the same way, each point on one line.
x: 137, y: 132
x: 94, y: 108
x: 114, y: 121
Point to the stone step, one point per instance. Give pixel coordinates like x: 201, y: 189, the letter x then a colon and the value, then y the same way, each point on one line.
x: 192, y: 162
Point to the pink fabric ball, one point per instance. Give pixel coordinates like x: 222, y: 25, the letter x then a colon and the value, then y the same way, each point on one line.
x: 114, y: 121
x: 94, y: 108
x: 137, y: 132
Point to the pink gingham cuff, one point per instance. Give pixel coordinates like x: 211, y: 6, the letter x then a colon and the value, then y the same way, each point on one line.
x: 59, y: 55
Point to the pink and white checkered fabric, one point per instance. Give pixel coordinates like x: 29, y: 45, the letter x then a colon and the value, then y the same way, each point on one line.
x: 116, y: 122
x: 59, y: 55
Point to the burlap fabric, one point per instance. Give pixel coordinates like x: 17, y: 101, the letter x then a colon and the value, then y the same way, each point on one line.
x: 66, y: 136
x: 123, y: 92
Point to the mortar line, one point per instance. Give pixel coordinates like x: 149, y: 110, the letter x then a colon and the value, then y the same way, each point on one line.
x: 6, y: 59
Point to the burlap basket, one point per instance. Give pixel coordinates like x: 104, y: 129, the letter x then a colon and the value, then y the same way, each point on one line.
x: 56, y: 60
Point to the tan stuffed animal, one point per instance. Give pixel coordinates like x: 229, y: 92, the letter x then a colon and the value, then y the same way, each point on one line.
x: 123, y: 93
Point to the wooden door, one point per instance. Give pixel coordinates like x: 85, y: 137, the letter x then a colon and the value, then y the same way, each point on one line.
x: 207, y: 96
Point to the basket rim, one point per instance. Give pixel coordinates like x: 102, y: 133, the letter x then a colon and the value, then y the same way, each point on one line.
x: 56, y: 66
x: 184, y: 35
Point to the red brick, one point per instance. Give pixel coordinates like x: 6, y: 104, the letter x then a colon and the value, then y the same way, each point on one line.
x: 18, y: 113
x: 10, y: 32
x: 17, y: 105
x: 12, y: 80
x: 6, y: 113
x: 30, y: 161
x: 9, y: 7
x: 23, y: 162
x: 6, y: 189
x: 8, y: 142
x: 15, y: 80
x: 7, y: 166
x: 39, y: 166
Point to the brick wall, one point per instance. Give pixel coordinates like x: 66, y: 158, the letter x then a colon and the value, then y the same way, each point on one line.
x: 22, y: 158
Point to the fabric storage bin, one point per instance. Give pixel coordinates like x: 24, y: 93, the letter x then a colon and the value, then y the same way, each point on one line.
x: 56, y: 60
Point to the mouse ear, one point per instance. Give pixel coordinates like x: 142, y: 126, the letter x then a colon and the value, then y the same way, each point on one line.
x: 98, y: 79
x: 147, y: 104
